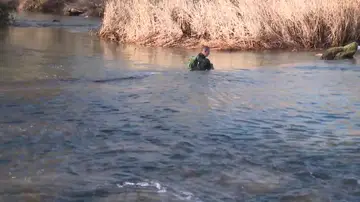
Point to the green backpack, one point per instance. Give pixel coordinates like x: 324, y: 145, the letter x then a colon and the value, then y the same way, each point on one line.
x: 192, y: 62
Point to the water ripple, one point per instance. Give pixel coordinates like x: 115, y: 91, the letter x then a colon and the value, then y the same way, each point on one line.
x: 241, y: 136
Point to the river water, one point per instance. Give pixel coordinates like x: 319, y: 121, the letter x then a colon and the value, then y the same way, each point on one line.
x: 87, y: 120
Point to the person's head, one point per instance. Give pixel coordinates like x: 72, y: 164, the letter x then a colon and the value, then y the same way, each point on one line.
x: 205, y: 50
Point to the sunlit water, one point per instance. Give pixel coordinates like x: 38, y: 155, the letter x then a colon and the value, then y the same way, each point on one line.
x: 87, y: 120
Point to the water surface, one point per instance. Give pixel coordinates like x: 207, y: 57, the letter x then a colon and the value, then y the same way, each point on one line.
x: 88, y: 120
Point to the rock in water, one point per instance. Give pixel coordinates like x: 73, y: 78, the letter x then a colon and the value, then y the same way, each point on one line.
x: 341, y: 52
x: 72, y: 11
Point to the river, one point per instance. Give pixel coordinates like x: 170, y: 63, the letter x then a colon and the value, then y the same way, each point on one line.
x: 87, y: 120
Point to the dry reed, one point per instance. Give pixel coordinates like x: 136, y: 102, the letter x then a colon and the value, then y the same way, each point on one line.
x: 233, y: 24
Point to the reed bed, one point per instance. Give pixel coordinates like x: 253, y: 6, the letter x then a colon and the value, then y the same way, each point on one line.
x: 232, y: 24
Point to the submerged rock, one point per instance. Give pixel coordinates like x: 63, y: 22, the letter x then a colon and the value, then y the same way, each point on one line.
x: 304, y: 195
x: 255, y: 180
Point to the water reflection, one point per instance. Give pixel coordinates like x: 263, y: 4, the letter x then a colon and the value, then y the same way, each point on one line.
x: 57, y: 53
x: 55, y: 40
x: 45, y: 54
x: 147, y: 58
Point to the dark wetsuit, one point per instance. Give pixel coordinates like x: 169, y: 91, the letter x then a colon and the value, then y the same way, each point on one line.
x: 201, y: 63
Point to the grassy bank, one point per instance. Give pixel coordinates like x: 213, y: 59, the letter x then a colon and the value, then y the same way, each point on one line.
x: 233, y: 24
x: 64, y: 7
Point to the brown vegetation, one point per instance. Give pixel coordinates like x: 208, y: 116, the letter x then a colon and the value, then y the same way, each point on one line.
x: 233, y: 24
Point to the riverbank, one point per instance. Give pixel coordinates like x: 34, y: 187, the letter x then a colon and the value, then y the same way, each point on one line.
x: 86, y: 8
x: 232, y: 24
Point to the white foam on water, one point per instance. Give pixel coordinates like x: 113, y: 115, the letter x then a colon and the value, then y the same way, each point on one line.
x: 187, y: 196
x: 129, y: 183
x: 159, y: 188
x: 181, y: 195
x: 154, y: 73
x: 143, y: 184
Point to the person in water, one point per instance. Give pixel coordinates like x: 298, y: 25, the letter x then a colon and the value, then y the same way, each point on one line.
x: 201, y: 62
x: 341, y: 52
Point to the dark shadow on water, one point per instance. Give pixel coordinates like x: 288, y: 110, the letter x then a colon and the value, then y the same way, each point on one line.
x: 352, y: 61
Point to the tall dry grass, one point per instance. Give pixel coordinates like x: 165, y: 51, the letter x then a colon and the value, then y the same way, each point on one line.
x: 233, y: 24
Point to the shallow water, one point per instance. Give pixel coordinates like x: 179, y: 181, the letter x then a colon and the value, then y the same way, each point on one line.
x: 87, y: 120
